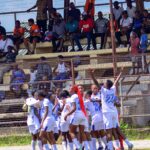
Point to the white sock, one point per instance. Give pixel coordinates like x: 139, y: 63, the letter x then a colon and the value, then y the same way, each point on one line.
x: 54, y: 147
x: 71, y: 146
x: 90, y: 145
x: 104, y: 139
x: 116, y: 144
x: 86, y: 145
x: 46, y: 147
x: 39, y: 143
x: 76, y: 143
x: 99, y: 142
x: 110, y: 145
x: 94, y: 143
x: 64, y: 144
x: 127, y: 142
x: 33, y: 144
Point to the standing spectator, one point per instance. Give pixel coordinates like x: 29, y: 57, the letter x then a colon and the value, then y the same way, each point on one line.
x: 86, y: 25
x: 125, y: 28
x: 17, y: 80
x: 4, y: 43
x: 135, y: 43
x: 117, y: 11
x: 59, y: 29
x: 42, y: 7
x: 73, y: 31
x: 130, y: 9
x: 35, y: 36
x: 43, y: 69
x: 61, y: 70
x: 137, y: 23
x: 101, y: 27
x: 18, y: 34
x: 74, y: 12
x: 146, y: 21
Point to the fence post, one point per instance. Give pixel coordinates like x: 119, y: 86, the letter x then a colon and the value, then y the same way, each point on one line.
x: 121, y: 98
x: 72, y: 72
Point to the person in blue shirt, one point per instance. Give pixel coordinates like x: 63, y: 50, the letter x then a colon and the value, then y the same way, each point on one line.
x: 73, y: 32
x: 143, y: 49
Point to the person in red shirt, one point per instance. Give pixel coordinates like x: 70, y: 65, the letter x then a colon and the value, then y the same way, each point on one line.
x: 18, y: 34
x: 86, y: 25
x: 135, y: 44
x: 35, y: 35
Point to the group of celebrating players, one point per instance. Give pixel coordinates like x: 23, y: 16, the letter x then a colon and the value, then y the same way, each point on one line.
x: 85, y: 120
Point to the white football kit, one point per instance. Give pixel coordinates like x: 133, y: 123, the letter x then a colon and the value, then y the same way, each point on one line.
x: 108, y: 108
x: 49, y: 122
x: 32, y: 120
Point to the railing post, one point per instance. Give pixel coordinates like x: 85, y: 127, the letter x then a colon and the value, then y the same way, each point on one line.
x: 121, y: 99
x: 72, y: 71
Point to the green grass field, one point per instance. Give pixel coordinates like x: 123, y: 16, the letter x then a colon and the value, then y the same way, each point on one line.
x: 18, y: 140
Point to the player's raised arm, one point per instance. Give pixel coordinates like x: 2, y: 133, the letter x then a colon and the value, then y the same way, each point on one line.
x: 116, y: 81
x: 93, y: 77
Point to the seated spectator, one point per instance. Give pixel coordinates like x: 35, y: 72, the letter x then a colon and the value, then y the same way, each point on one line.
x: 35, y: 36
x: 125, y: 28
x: 43, y: 69
x: 146, y: 21
x: 17, y: 80
x: 135, y: 43
x: 4, y: 43
x: 137, y: 23
x: 73, y: 32
x: 61, y: 70
x: 117, y: 11
x: 101, y: 27
x: 18, y: 34
x: 48, y: 35
x: 2, y: 31
x: 11, y: 55
x: 58, y: 34
x: 74, y: 12
x: 130, y: 9
x: 86, y: 25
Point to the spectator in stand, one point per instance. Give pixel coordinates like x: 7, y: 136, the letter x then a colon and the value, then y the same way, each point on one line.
x: 137, y: 23
x: 74, y: 12
x: 125, y: 28
x: 43, y: 69
x: 146, y: 21
x: 86, y: 25
x: 11, y: 55
x: 35, y: 36
x: 42, y: 7
x: 18, y: 34
x: 52, y: 17
x: 2, y: 31
x: 101, y: 27
x: 5, y: 42
x: 61, y: 70
x: 59, y: 30
x: 135, y: 44
x: 130, y: 9
x: 48, y: 35
x: 17, y: 80
x: 117, y: 11
x: 73, y: 31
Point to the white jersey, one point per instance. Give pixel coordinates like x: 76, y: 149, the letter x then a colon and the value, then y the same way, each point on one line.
x: 46, y: 103
x: 32, y: 118
x: 75, y: 99
x: 66, y: 109
x: 108, y: 99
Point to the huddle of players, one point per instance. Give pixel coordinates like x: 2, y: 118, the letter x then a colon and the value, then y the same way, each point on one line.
x: 80, y: 124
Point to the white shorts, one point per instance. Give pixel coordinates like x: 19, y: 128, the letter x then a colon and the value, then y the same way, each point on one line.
x: 97, y: 126
x: 33, y: 129
x: 49, y: 125
x: 110, y: 120
x: 78, y: 119
x: 64, y: 126
x: 86, y: 125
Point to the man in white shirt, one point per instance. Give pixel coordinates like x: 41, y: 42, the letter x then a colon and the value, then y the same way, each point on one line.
x: 4, y: 43
x: 130, y: 9
x: 125, y: 27
x: 117, y: 11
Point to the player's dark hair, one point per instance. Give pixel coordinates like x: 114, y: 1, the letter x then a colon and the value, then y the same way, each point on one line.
x: 64, y: 94
x: 109, y: 84
x: 89, y: 93
x: 41, y: 93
